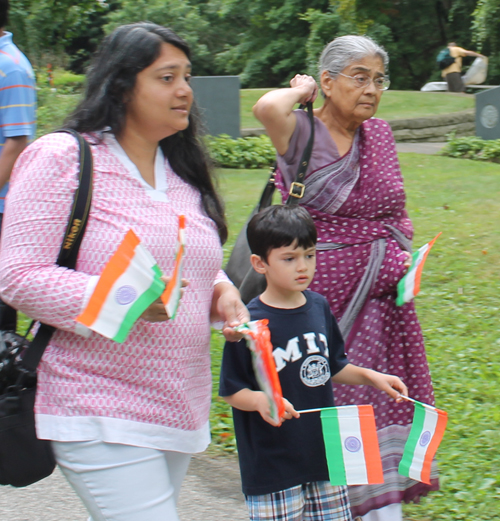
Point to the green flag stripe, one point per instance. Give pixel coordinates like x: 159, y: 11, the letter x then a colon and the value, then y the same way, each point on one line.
x: 411, y: 443
x: 333, y: 447
x: 148, y: 297
x: 400, y: 299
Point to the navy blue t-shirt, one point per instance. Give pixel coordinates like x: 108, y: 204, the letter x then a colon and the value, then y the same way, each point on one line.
x: 308, y: 350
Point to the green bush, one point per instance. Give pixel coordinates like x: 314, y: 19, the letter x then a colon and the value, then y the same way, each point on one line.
x: 68, y: 80
x: 250, y: 152
x: 53, y: 107
x: 473, y: 148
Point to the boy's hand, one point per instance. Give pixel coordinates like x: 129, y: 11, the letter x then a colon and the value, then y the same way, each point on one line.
x: 290, y: 411
x: 263, y: 408
x: 355, y: 375
x: 390, y: 384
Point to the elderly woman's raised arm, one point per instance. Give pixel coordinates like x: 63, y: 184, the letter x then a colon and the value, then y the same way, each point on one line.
x: 275, y: 109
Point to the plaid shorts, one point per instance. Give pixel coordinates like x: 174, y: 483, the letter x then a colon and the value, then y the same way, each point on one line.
x: 316, y: 501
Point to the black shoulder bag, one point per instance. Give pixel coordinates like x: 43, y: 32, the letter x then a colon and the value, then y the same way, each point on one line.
x: 24, y: 459
x: 238, y: 268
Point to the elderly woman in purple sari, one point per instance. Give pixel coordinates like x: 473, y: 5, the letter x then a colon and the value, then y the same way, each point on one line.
x: 354, y: 192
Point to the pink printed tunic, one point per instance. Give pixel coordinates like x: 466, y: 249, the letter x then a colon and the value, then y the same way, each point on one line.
x: 154, y: 389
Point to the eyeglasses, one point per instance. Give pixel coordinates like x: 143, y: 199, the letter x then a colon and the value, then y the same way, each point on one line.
x: 362, y: 81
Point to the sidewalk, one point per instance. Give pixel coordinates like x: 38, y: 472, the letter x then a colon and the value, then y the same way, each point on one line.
x: 210, y: 492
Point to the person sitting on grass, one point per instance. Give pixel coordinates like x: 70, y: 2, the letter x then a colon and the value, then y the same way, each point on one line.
x: 284, y: 471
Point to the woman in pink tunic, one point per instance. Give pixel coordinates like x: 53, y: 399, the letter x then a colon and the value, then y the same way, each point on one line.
x: 354, y: 191
x: 123, y: 418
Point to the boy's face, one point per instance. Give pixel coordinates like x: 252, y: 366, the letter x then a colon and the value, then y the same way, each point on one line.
x: 290, y: 268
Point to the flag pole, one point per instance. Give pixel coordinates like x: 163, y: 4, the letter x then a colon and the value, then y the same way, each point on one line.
x: 416, y: 401
x: 311, y: 410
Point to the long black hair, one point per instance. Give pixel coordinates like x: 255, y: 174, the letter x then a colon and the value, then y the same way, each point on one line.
x: 111, y: 79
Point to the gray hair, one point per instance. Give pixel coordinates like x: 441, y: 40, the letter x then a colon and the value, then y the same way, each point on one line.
x: 343, y: 51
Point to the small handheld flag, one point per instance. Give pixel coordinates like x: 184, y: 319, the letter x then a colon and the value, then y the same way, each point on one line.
x: 128, y: 284
x: 409, y: 285
x: 351, y: 445
x: 425, y: 436
x: 264, y: 366
x: 172, y: 294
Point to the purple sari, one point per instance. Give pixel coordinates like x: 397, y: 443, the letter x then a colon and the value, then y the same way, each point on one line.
x: 358, y: 204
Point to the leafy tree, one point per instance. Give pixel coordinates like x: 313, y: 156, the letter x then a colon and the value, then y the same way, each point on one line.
x: 272, y: 44
x: 486, y: 33
x: 183, y: 17
x: 47, y: 28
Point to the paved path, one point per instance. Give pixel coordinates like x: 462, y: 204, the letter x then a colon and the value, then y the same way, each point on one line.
x: 211, y: 492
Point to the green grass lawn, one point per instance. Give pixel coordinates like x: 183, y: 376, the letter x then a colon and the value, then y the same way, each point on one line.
x: 394, y: 104
x: 458, y: 307
x: 53, y: 107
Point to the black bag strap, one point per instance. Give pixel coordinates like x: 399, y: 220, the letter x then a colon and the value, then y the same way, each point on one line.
x: 69, y: 248
x: 297, y: 188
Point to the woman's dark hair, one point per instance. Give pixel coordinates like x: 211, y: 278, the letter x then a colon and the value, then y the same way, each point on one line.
x: 278, y: 226
x: 4, y: 12
x: 111, y: 79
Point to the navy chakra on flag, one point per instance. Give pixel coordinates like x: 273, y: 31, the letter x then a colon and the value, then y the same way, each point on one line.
x: 125, y: 295
x: 352, y: 444
x: 425, y: 438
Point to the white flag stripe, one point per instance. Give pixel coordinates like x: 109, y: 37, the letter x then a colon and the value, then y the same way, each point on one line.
x: 354, y: 460
x: 171, y: 307
x: 430, y: 422
x: 410, y: 281
x: 144, y: 257
x: 109, y: 322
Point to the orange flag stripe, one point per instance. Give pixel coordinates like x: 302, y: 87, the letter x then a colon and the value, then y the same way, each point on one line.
x: 166, y: 295
x: 370, y: 444
x: 433, y: 446
x: 420, y: 268
x: 113, y: 270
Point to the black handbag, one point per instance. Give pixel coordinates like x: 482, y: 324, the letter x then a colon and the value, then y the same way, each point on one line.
x: 24, y: 459
x: 238, y: 268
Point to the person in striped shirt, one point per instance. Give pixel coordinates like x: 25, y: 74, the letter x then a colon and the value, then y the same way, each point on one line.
x: 17, y: 120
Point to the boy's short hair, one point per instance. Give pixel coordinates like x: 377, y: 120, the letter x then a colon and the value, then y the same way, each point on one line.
x: 4, y: 12
x: 278, y: 226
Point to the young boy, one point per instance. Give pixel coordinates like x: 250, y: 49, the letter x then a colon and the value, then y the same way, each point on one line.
x: 283, y: 470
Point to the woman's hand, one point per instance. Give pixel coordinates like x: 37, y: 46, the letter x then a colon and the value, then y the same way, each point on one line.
x: 408, y: 260
x: 228, y: 308
x: 156, y: 312
x: 308, y: 86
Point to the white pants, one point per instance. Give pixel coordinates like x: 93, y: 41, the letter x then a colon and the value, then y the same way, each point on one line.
x: 392, y: 512
x: 121, y: 482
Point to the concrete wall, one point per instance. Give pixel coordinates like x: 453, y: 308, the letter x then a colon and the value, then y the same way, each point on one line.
x: 430, y: 129
x: 434, y: 128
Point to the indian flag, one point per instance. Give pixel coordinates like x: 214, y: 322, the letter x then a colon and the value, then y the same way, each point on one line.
x: 259, y: 337
x: 129, y: 283
x: 425, y: 436
x: 351, y: 445
x: 172, y: 294
x: 409, y: 285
